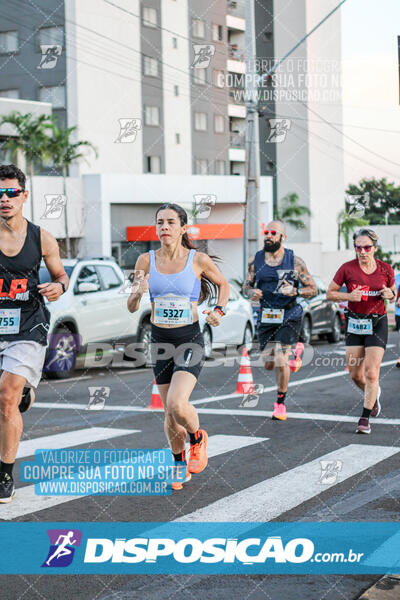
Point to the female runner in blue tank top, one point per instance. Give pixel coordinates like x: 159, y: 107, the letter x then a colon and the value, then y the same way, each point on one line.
x: 178, y: 277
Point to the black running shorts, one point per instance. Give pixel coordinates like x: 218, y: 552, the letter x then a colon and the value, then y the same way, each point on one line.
x: 379, y: 337
x: 176, y: 349
x: 287, y: 333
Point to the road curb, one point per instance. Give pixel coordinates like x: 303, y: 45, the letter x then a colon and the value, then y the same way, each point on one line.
x: 387, y: 588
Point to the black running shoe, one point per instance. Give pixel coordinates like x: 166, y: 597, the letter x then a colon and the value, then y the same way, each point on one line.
x: 7, y: 490
x: 398, y: 364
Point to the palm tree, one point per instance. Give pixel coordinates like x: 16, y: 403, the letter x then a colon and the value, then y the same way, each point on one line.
x: 291, y: 211
x: 63, y: 153
x: 31, y: 139
x: 347, y: 224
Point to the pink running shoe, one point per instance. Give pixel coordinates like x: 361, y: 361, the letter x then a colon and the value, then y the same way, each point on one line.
x: 363, y: 426
x: 279, y: 412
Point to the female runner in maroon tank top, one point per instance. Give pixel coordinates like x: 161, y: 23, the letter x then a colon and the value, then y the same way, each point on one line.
x: 175, y: 322
x: 369, y: 283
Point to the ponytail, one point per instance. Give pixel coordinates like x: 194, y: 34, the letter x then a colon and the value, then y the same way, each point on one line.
x: 208, y: 289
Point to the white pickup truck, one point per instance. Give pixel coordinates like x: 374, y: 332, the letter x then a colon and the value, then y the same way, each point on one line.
x: 93, y: 309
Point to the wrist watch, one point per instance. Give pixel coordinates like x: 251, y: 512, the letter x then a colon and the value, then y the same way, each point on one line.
x: 62, y: 285
x: 221, y: 310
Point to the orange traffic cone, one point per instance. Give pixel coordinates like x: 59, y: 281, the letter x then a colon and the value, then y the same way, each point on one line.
x: 156, y: 402
x: 245, y: 384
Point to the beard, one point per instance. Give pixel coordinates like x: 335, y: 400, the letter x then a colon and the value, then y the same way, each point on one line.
x: 272, y: 246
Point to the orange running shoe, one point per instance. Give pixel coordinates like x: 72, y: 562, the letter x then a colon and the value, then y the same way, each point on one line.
x: 295, y: 363
x: 279, y: 412
x: 198, y: 454
x: 178, y: 485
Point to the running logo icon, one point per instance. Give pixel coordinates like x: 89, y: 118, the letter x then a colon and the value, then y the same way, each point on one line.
x: 128, y: 129
x: 278, y: 130
x: 54, y: 206
x: 203, y: 54
x: 98, y: 397
x: 62, y: 547
x: 330, y: 470
x: 50, y: 54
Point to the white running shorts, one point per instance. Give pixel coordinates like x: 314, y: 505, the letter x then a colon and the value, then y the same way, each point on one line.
x: 25, y: 358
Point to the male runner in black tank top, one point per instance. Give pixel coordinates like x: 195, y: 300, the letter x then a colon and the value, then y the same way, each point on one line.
x: 24, y: 318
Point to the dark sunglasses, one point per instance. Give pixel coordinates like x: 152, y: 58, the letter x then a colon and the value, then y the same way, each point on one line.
x: 10, y: 192
x: 366, y: 248
x: 271, y: 231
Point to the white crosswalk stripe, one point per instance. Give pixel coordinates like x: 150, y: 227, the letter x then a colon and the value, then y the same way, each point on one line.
x: 27, y: 502
x: 69, y: 439
x: 272, y: 497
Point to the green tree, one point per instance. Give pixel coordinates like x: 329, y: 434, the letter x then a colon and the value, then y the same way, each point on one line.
x: 31, y: 139
x: 384, y: 200
x: 346, y: 225
x: 64, y: 152
x: 290, y: 211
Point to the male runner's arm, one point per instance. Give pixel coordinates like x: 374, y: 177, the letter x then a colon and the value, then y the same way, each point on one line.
x: 51, y: 256
x: 140, y: 283
x: 309, y: 288
x: 248, y: 286
x: 211, y: 271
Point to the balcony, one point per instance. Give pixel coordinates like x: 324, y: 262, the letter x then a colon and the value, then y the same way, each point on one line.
x: 235, y: 18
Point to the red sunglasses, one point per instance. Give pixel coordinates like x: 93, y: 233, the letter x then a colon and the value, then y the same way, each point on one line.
x: 366, y: 248
x: 271, y: 231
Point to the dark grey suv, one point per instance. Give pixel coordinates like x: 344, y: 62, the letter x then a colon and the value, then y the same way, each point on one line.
x: 321, y: 317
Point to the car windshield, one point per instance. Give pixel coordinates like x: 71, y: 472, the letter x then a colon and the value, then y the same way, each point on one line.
x: 44, y: 275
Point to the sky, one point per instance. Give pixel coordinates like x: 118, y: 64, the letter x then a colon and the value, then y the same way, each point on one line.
x: 370, y: 87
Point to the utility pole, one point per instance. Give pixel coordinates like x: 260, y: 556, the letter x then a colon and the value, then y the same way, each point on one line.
x: 251, y: 228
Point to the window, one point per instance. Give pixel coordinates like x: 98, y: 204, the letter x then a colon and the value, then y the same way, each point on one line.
x: 219, y: 124
x: 199, y: 76
x: 219, y: 78
x: 88, y: 274
x: 151, y: 115
x: 200, y: 121
x: 178, y: 138
x: 220, y: 167
x: 54, y: 94
x: 52, y: 36
x: 149, y: 17
x: 217, y: 33
x: 109, y: 277
x: 9, y: 93
x: 176, y: 90
x: 8, y: 42
x: 201, y: 166
x: 198, y: 28
x: 150, y: 66
x: 153, y: 164
x: 174, y: 42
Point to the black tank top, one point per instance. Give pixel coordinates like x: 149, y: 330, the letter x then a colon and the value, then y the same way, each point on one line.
x: 19, y: 278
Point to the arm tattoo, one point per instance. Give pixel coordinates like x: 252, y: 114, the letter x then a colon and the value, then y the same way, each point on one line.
x: 309, y: 288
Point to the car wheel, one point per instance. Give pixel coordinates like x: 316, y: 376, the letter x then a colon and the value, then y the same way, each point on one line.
x: 207, y: 342
x: 248, y: 337
x: 145, y: 338
x: 334, y: 335
x: 61, y: 357
x: 306, y: 330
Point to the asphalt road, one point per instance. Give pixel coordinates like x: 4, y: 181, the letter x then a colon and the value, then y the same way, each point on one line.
x: 323, y: 409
